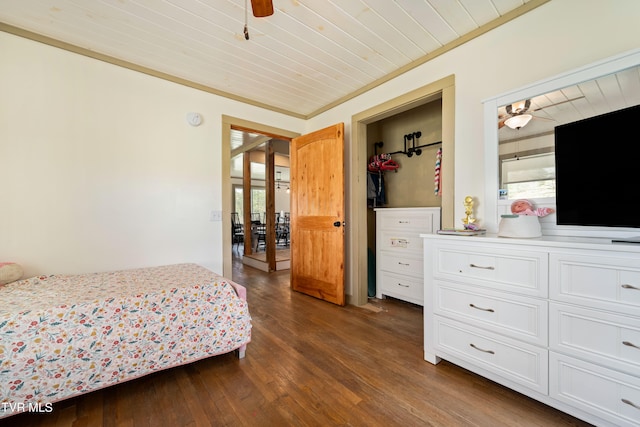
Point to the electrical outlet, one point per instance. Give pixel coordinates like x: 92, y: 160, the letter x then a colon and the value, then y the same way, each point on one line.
x: 215, y: 216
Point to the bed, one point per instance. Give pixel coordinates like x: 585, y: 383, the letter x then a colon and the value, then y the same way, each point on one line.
x: 64, y: 335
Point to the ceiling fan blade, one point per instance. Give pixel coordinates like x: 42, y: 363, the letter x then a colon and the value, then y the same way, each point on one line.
x: 543, y: 118
x: 558, y: 103
x: 262, y: 8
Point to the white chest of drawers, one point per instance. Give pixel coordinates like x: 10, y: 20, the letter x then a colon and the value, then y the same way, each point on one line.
x: 399, y: 251
x: 557, y: 319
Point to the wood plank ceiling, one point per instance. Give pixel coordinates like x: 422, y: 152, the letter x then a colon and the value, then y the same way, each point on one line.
x: 307, y: 57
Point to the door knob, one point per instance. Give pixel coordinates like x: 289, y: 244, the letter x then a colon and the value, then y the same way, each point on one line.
x: 337, y: 224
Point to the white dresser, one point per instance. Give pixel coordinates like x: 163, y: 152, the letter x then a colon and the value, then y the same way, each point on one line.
x: 555, y: 318
x: 399, y: 253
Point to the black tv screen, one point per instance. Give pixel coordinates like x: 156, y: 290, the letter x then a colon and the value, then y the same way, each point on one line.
x: 597, y: 167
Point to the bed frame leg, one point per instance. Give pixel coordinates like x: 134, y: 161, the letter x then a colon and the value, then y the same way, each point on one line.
x: 242, y: 351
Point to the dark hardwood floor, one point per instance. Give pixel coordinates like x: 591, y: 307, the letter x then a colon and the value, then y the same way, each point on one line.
x: 310, y: 363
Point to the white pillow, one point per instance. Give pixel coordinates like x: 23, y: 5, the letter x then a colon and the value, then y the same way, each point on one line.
x: 9, y: 272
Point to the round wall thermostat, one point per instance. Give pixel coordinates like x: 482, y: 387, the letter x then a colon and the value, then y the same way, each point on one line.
x: 194, y: 119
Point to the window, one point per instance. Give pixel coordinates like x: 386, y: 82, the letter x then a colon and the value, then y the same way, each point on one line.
x: 529, y: 177
x: 238, y: 202
x: 258, y: 200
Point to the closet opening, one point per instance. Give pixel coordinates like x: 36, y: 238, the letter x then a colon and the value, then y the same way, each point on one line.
x: 426, y: 115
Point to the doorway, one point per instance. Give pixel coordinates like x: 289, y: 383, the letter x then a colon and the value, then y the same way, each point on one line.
x: 270, y: 138
x: 256, y: 197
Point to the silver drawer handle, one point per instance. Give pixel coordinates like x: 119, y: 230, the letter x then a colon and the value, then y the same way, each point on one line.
x: 404, y: 286
x: 630, y: 287
x: 482, y: 350
x: 404, y: 222
x: 479, y: 266
x: 630, y: 403
x: 630, y: 344
x: 480, y: 308
x: 402, y: 263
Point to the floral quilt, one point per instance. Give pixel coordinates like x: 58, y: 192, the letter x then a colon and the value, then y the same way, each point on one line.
x: 64, y: 335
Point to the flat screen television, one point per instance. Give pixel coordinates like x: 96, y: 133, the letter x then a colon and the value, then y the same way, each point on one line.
x: 597, y: 166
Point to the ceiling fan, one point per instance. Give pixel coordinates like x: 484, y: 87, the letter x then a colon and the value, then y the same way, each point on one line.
x: 262, y: 8
x: 518, y: 114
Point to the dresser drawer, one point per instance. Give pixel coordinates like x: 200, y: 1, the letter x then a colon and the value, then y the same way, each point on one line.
x: 610, y: 395
x: 399, y: 241
x: 596, y: 336
x: 511, y: 270
x: 424, y: 221
x: 514, y: 316
x: 398, y: 286
x: 402, y: 264
x: 605, y: 282
x: 516, y: 361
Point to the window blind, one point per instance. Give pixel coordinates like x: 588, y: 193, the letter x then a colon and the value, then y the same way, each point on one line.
x: 538, y: 167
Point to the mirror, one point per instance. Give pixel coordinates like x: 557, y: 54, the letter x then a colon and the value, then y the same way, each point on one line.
x: 605, y: 86
x: 526, y: 129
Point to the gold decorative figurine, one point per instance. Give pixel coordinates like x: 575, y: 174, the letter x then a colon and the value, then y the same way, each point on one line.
x: 468, y: 210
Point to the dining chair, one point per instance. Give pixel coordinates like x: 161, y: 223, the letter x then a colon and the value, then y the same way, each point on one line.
x: 237, y: 229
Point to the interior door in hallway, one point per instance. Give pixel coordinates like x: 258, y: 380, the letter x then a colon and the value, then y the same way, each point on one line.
x: 317, y: 214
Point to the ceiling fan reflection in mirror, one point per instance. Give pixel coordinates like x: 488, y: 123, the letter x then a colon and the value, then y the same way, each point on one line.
x: 519, y: 114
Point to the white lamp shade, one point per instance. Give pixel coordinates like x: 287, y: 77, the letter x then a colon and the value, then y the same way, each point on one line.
x: 516, y: 122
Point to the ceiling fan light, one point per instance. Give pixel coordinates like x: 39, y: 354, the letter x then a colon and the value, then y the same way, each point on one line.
x: 516, y: 122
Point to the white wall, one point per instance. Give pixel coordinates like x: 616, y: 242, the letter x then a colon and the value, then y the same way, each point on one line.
x: 99, y: 168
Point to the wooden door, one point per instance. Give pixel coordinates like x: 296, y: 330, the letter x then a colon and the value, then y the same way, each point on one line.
x: 317, y: 214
